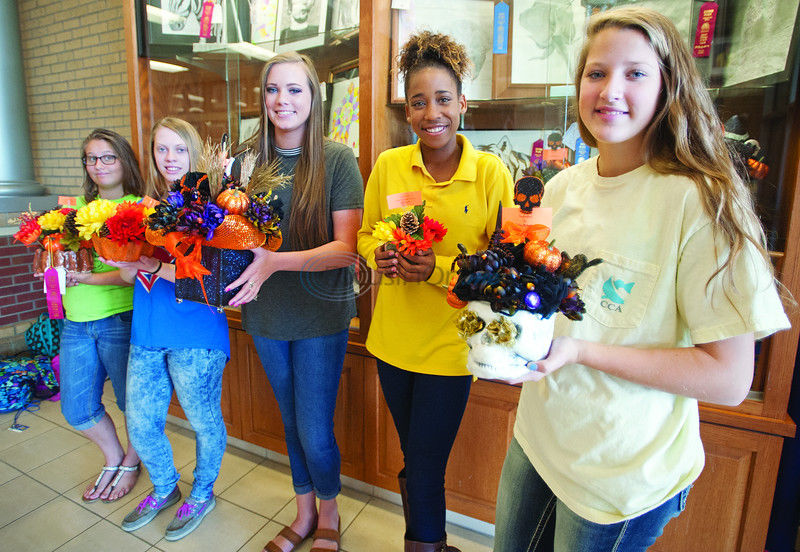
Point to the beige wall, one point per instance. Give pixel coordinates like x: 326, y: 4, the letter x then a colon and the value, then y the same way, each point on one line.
x: 74, y: 57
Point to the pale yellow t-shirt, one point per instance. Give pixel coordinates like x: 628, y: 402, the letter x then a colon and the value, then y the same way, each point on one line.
x: 608, y: 448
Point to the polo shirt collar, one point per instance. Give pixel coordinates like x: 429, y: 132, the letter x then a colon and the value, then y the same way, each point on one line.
x: 467, y: 167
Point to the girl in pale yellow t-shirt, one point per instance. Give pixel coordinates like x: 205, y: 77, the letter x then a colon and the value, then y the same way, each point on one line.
x: 606, y: 440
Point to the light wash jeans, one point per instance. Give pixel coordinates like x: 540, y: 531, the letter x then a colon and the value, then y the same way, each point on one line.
x: 304, y: 375
x: 196, y: 376
x: 529, y: 518
x: 90, y: 352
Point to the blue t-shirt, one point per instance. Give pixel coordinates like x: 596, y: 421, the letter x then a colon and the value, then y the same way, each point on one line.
x: 160, y: 321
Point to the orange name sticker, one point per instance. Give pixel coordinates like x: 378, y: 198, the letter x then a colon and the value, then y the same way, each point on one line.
x: 67, y: 201
x: 539, y: 215
x: 149, y: 202
x: 404, y: 199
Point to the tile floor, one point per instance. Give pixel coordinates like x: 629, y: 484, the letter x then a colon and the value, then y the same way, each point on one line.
x: 44, y: 469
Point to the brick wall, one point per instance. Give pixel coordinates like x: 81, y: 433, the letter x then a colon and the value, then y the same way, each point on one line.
x: 74, y: 60
x: 76, y: 77
x: 21, y: 297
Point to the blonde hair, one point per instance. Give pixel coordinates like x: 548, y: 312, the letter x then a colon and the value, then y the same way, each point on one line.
x: 156, y: 184
x: 685, y: 135
x: 308, y: 225
x: 132, y: 182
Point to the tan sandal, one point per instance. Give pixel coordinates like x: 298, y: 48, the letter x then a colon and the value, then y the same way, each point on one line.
x: 332, y: 535
x: 288, y: 534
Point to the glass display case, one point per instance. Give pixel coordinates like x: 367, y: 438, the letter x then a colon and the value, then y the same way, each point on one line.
x: 520, y: 98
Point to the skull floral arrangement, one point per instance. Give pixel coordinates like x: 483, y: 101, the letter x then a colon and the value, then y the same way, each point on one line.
x: 509, y: 294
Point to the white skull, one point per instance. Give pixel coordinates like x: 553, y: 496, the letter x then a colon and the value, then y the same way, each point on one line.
x: 503, y: 345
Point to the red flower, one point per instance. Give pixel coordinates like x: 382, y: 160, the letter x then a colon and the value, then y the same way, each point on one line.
x: 407, y: 244
x: 432, y: 230
x: 29, y: 229
x: 127, y: 224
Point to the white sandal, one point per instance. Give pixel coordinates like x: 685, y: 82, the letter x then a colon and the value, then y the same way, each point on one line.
x: 121, y: 470
x: 97, y: 483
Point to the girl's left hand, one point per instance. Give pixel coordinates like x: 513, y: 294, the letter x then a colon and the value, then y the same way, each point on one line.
x: 253, y: 277
x: 416, y: 268
x: 564, y: 350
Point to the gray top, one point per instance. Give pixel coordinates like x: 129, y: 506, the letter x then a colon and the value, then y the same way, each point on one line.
x: 300, y: 305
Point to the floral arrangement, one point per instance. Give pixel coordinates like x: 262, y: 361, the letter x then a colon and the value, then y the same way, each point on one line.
x: 520, y: 270
x: 213, y: 210
x: 57, y: 239
x: 410, y: 231
x: 53, y: 230
x: 116, y: 230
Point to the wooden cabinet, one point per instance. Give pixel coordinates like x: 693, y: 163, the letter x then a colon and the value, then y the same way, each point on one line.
x: 729, y: 506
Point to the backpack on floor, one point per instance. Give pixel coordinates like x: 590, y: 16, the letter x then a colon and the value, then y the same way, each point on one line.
x: 23, y: 379
x: 42, y: 337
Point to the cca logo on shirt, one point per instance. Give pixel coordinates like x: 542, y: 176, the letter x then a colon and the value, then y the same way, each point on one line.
x: 612, y: 298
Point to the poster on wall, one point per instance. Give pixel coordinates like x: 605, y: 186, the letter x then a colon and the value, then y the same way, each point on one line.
x: 468, y: 21
x: 263, y: 21
x: 182, y: 18
x: 301, y: 24
x: 514, y: 147
x: 343, y: 123
x: 344, y: 14
x: 760, y: 41
x: 547, y: 34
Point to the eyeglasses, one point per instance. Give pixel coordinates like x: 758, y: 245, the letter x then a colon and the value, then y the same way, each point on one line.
x: 91, y: 160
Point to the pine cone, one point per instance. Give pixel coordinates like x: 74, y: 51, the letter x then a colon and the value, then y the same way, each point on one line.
x: 409, y: 223
x: 70, y: 228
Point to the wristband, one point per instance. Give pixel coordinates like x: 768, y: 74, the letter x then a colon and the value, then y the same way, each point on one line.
x: 157, y: 268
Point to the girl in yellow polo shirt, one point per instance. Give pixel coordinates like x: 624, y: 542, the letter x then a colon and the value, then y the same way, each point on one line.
x: 421, y: 359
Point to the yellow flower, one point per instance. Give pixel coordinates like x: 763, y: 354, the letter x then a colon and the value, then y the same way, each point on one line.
x: 92, y: 216
x: 384, y: 231
x: 52, y: 220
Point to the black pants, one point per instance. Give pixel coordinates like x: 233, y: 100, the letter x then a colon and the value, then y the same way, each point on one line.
x: 427, y: 412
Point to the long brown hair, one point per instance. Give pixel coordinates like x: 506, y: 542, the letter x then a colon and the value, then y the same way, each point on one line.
x: 308, y: 225
x: 132, y: 182
x: 155, y: 182
x: 686, y: 135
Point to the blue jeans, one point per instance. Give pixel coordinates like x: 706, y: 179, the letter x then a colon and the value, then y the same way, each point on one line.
x: 90, y: 352
x: 427, y: 412
x: 196, y: 377
x: 304, y: 375
x: 530, y: 518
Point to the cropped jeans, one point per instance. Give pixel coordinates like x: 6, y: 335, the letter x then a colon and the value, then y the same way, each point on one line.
x: 304, y: 375
x: 529, y: 518
x: 90, y: 352
x: 427, y: 411
x: 196, y: 377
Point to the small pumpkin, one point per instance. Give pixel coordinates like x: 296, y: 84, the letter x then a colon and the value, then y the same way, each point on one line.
x: 233, y: 200
x: 540, y: 252
x: 53, y: 243
x: 452, y: 298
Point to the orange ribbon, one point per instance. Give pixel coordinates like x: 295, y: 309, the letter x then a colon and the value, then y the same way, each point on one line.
x: 188, y: 252
x: 518, y: 233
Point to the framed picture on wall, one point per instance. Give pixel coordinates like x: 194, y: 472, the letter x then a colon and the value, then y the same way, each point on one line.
x: 263, y: 21
x: 465, y: 20
x: 301, y: 24
x: 343, y: 106
x: 344, y: 14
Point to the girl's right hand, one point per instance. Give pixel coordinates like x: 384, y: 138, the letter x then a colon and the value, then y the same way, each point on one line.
x: 386, y: 260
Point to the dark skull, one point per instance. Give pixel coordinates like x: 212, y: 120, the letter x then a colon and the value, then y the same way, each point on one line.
x: 528, y: 192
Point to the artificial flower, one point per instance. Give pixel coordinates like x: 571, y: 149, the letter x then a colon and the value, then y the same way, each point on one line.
x: 52, y: 220
x: 127, y: 224
x: 384, y: 230
x: 92, y: 216
x: 29, y: 229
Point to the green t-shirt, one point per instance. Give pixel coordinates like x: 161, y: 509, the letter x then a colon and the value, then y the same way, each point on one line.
x: 84, y: 302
